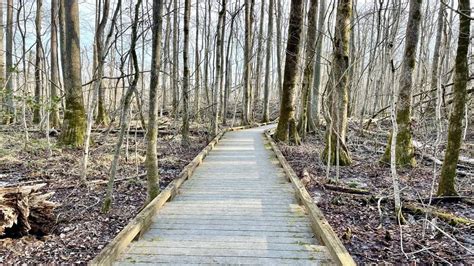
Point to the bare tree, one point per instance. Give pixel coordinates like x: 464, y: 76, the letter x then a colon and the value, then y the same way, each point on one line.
x: 303, y: 124
x: 152, y: 133
x: 38, y: 59
x: 127, y: 99
x: 9, y: 105
x: 446, y: 185
x: 405, y: 153
x: 2, y: 54
x: 335, y: 150
x: 54, y: 68
x: 197, y: 68
x: 185, y: 89
x: 174, y: 78
x: 315, y: 114
x: 74, y: 124
x: 436, y: 57
x: 219, y: 68
x: 286, y: 130
x: 266, y: 96
x: 247, y: 63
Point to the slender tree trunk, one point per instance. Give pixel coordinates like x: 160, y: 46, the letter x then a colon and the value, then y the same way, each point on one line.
x: 259, y: 55
x: 166, y: 85
x: 185, y: 89
x: 247, y: 63
x: 436, y: 56
x: 266, y: 96
x: 74, y: 123
x: 2, y: 58
x: 125, y: 110
x: 317, y: 65
x: 9, y: 105
x: 38, y: 56
x: 207, y: 36
x: 308, y: 70
x: 405, y: 153
x: 152, y: 133
x: 228, y: 66
x: 219, y: 72
x: 336, y: 152
x: 446, y: 186
x: 286, y: 130
x: 175, y: 58
x: 279, y: 48
x: 197, y: 88
x: 54, y: 71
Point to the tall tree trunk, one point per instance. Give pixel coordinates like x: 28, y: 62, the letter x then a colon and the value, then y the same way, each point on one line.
x: 259, y: 55
x: 102, y: 118
x: 197, y: 88
x: 405, y: 153
x: 38, y: 56
x: 446, y: 185
x: 207, y: 35
x: 175, y: 58
x: 228, y: 66
x: 9, y: 106
x: 54, y: 71
x: 266, y: 94
x: 100, y: 44
x: 316, y: 112
x: 152, y: 133
x: 185, y: 89
x: 219, y: 72
x: 308, y: 70
x: 335, y: 151
x: 127, y: 99
x: 166, y: 81
x: 286, y: 130
x: 74, y: 123
x: 436, y: 56
x: 2, y: 58
x: 247, y: 97
x: 279, y: 48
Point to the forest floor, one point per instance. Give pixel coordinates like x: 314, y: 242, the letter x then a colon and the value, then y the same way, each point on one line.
x: 373, y: 237
x: 81, y: 230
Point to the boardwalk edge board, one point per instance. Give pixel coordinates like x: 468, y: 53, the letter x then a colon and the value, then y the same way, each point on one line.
x: 140, y: 224
x: 319, y: 224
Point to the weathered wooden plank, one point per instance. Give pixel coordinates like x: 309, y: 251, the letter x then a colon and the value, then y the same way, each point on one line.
x: 319, y: 252
x: 242, y: 245
x: 231, y: 227
x: 225, y: 204
x: 273, y: 213
x: 194, y: 260
x: 179, y: 259
x: 242, y: 221
x: 319, y: 223
x: 143, y: 219
x: 298, y: 240
x: 162, y: 233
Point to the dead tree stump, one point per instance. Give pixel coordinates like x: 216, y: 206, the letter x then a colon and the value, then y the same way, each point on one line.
x: 24, y: 210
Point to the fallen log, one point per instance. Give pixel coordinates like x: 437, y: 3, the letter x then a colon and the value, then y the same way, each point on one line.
x: 24, y: 210
x: 448, y: 217
x: 346, y: 189
x: 415, y: 208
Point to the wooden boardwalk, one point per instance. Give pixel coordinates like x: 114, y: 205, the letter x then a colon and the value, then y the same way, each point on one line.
x: 238, y: 208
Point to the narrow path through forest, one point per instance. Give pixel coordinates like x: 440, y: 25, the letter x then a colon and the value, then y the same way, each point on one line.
x: 238, y: 208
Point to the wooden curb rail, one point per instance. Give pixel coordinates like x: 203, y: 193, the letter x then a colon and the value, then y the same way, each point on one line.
x: 139, y: 225
x: 319, y: 224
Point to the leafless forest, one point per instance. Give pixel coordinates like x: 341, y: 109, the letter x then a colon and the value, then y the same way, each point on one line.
x: 104, y: 102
